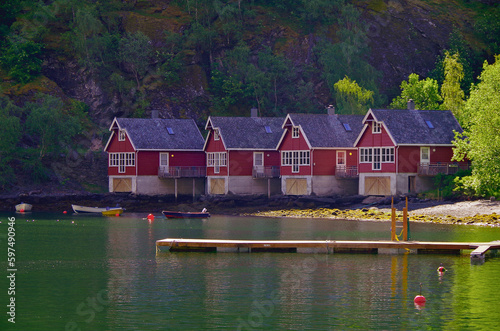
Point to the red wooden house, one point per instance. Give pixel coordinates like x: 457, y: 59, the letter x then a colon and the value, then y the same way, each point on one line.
x: 400, y: 151
x: 241, y: 155
x: 318, y: 154
x: 156, y: 156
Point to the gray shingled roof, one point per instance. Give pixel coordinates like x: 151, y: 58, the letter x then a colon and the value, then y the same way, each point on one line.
x: 324, y: 130
x: 152, y: 133
x: 409, y: 127
x: 249, y: 132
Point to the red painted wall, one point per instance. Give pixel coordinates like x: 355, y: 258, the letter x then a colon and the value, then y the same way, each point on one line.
x: 116, y: 146
x: 149, y: 161
x: 215, y: 146
x: 240, y: 163
x: 324, y: 162
x: 370, y: 139
x: 294, y: 144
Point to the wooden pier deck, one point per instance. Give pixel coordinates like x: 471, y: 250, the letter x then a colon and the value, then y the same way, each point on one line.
x: 326, y: 246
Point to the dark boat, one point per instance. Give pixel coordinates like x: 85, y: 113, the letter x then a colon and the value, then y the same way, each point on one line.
x: 181, y: 214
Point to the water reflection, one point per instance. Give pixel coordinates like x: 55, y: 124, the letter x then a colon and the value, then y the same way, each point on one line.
x: 114, y: 261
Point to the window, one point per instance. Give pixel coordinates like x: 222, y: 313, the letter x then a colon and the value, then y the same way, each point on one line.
x: 121, y: 160
x: 216, y: 160
x: 170, y: 130
x: 387, y: 154
x: 121, y: 135
x: 341, y: 159
x: 258, y: 159
x: 295, y: 159
x: 295, y: 132
x: 164, y: 159
x: 216, y: 134
x: 365, y: 155
x: 376, y: 156
x: 429, y: 124
x: 268, y: 129
x: 286, y: 158
x: 304, y: 158
x: 425, y: 155
x: 376, y: 127
x: 347, y: 127
x: 210, y: 159
x: 376, y: 165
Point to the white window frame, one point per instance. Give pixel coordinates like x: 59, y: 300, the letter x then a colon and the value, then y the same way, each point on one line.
x: 295, y: 159
x: 341, y: 156
x: 286, y: 158
x: 376, y: 127
x: 377, y: 158
x: 257, y: 156
x: 423, y: 151
x: 216, y: 134
x: 121, y: 160
x: 295, y: 132
x: 164, y: 160
x: 365, y: 155
x: 216, y: 160
x: 121, y: 135
x: 387, y: 154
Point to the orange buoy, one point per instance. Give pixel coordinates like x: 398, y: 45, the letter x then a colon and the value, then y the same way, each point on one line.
x: 151, y: 217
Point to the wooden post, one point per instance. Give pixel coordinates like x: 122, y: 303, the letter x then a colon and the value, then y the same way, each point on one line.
x: 175, y: 183
x: 268, y: 188
x: 405, y: 221
x: 194, y: 189
x: 393, y: 220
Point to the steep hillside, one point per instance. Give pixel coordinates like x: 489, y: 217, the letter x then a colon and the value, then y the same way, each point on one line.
x: 190, y: 59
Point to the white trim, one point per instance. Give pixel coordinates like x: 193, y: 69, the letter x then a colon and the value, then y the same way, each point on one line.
x: 428, y: 160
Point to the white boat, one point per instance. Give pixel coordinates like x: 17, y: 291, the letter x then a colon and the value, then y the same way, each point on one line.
x: 84, y: 209
x: 22, y: 207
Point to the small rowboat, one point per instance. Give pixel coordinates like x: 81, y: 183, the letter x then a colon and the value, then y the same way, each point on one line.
x: 84, y: 209
x: 113, y: 212
x: 22, y: 207
x: 181, y: 214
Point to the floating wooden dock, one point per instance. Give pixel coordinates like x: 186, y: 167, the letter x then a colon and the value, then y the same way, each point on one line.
x: 327, y: 246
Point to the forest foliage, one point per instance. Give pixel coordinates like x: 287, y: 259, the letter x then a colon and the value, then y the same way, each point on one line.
x: 230, y: 40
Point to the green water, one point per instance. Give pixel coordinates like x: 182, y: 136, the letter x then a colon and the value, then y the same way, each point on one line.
x: 75, y: 272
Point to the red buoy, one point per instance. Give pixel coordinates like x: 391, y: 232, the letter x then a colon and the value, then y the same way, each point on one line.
x: 151, y: 217
x: 117, y: 214
x: 64, y: 212
x: 419, y: 299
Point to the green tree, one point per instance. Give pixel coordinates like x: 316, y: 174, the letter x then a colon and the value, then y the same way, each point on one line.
x: 49, y: 124
x: 352, y: 98
x: 348, y: 57
x: 451, y: 92
x: 135, y: 52
x: 425, y: 94
x: 9, y: 137
x: 22, y: 59
x: 480, y: 141
x: 86, y: 25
